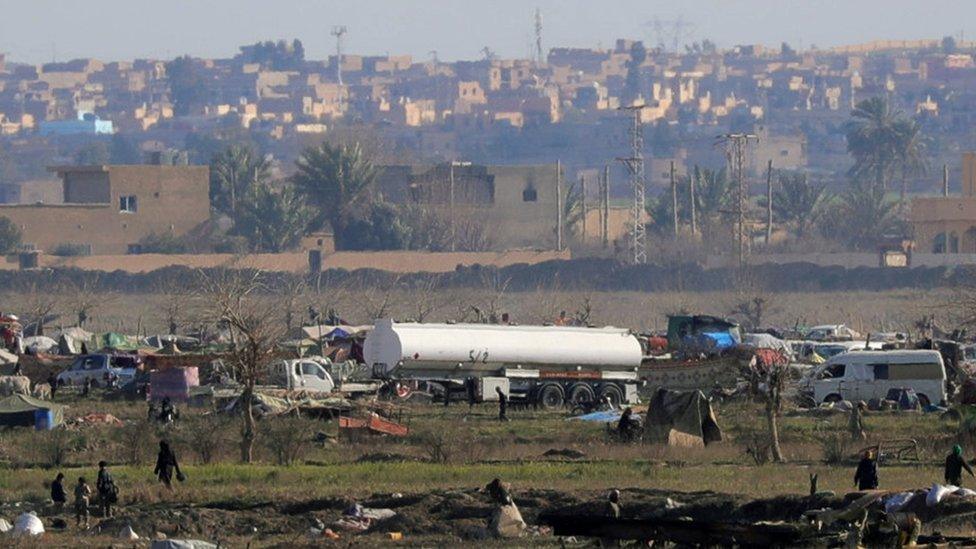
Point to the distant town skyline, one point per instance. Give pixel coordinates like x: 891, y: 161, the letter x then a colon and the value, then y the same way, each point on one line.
x: 44, y: 30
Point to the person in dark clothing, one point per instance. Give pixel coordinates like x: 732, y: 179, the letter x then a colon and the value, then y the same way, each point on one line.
x: 82, y: 495
x: 166, y: 411
x: 86, y: 387
x: 53, y: 382
x: 58, y: 495
x: 613, y: 504
x: 502, y: 404
x: 166, y: 464
x: 18, y: 369
x: 954, y: 464
x: 628, y: 426
x: 866, y: 476
x: 107, y: 492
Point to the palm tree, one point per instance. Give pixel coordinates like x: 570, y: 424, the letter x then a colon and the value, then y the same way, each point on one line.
x: 235, y: 172
x: 911, y: 153
x: 334, y: 179
x: 273, y: 222
x: 798, y: 202
x: 865, y: 215
x: 873, y: 139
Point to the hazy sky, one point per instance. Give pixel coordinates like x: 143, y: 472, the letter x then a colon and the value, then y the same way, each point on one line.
x: 39, y: 30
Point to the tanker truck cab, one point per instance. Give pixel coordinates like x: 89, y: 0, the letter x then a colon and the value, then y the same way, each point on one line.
x: 301, y: 375
x: 863, y: 375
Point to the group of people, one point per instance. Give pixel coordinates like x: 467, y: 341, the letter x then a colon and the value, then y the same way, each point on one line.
x: 107, y: 490
x: 866, y: 475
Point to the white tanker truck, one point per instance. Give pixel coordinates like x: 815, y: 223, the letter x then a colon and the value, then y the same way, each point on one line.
x: 545, y: 365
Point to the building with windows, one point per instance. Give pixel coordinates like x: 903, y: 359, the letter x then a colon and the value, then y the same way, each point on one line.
x: 947, y: 224
x: 110, y: 209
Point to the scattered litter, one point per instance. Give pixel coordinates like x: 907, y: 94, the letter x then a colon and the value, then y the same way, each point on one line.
x: 96, y: 418
x: 181, y: 544
x: 128, y: 533
x: 5, y: 526
x: 28, y: 524
x: 895, y: 502
x: 937, y: 493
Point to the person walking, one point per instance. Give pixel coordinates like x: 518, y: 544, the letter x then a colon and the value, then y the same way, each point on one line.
x: 166, y: 464
x: 53, y: 382
x: 502, y: 404
x: 954, y: 464
x: 108, y: 492
x: 83, y: 493
x: 866, y: 476
x: 58, y: 495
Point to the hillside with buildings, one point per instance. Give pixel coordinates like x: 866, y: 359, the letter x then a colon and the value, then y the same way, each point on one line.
x: 101, y: 157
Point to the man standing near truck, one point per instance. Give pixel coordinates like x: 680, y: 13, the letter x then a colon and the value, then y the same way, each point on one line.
x: 502, y: 404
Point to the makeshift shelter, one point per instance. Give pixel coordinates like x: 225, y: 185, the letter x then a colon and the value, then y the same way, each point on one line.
x: 681, y: 418
x: 174, y: 383
x: 24, y: 411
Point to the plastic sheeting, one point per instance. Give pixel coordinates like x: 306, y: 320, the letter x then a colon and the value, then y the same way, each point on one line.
x: 28, y: 524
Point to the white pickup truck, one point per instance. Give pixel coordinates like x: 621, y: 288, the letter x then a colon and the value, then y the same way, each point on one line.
x: 313, y: 374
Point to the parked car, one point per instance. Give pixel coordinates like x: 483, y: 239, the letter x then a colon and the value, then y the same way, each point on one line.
x: 864, y: 375
x: 99, y: 369
x: 831, y: 332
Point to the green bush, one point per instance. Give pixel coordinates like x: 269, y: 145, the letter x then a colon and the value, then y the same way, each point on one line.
x: 162, y: 244
x: 66, y: 249
x: 10, y: 236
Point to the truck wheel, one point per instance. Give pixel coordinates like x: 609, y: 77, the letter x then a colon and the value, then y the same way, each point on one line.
x: 551, y: 397
x: 581, y: 392
x: 833, y: 397
x: 613, y: 394
x: 924, y: 401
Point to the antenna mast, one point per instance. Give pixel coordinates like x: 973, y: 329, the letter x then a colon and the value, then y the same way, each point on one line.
x: 635, y: 165
x: 339, y: 31
x: 538, y: 36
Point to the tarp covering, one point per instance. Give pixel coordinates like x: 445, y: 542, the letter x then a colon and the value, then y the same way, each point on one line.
x: 681, y: 418
x: 20, y: 409
x: 767, y: 341
x: 174, y: 383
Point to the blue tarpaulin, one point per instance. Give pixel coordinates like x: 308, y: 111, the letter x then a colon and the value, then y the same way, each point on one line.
x: 609, y: 416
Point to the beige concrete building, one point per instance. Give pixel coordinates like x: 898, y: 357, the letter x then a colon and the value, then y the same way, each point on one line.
x: 948, y: 224
x: 109, y: 209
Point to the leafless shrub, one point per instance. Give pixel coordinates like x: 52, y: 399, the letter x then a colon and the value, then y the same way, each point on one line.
x: 51, y: 448
x: 835, y: 448
x: 438, y: 445
x: 206, y: 436
x: 287, y: 438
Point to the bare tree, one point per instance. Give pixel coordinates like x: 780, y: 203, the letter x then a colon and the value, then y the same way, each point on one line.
x: 40, y: 306
x: 85, y: 299
x: 426, y: 299
x: 177, y: 304
x: 767, y: 382
x: 379, y: 302
x: 253, y: 329
x: 294, y: 292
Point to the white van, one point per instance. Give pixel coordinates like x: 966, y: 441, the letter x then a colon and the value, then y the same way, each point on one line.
x: 863, y: 375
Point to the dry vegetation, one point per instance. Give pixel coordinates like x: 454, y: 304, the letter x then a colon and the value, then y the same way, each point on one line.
x: 864, y: 311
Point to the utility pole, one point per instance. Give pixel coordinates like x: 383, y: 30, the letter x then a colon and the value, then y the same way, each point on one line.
x: 769, y: 201
x: 692, y: 181
x: 674, y: 200
x: 605, y: 195
x: 559, y: 207
x: 451, y: 192
x: 635, y: 164
x: 538, y: 36
x: 735, y: 155
x: 583, y: 205
x: 945, y: 180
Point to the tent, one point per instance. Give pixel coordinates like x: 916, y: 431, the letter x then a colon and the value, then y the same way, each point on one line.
x: 22, y: 410
x: 681, y: 418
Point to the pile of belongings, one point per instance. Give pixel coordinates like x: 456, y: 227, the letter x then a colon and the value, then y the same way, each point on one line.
x: 681, y: 418
x: 27, y: 524
x: 35, y: 345
x: 267, y: 405
x: 96, y: 418
x: 918, y: 500
x: 358, y: 518
x: 506, y: 520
